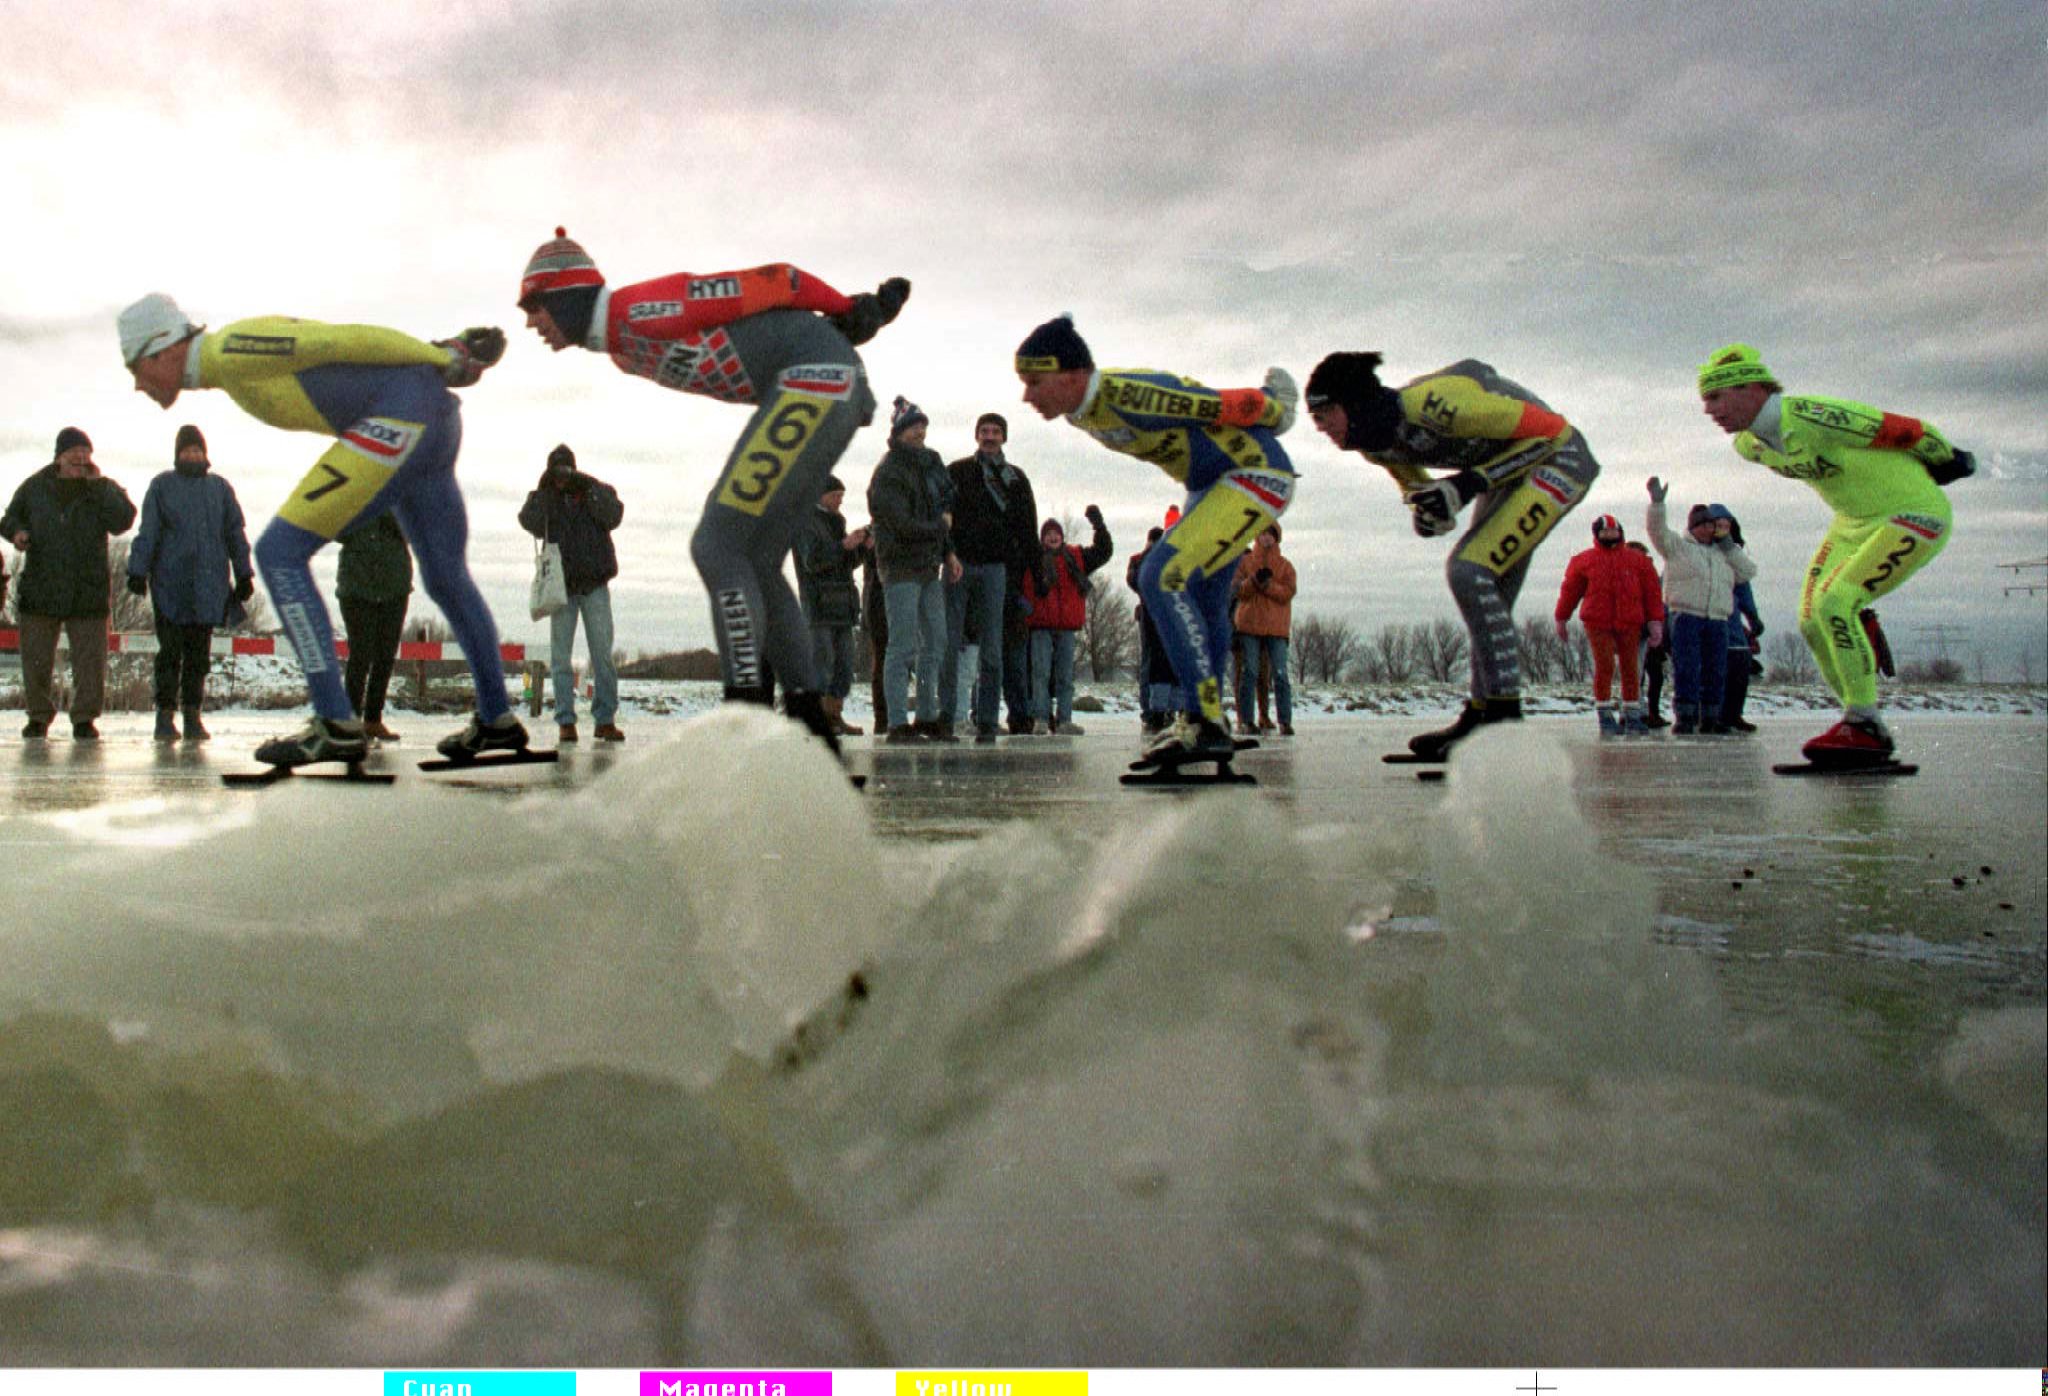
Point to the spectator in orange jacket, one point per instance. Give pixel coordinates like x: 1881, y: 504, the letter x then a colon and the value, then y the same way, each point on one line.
x: 1264, y: 619
x: 1621, y: 596
x: 1056, y: 589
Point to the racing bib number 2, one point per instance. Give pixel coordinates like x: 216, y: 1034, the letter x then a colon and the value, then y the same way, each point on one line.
x: 766, y: 457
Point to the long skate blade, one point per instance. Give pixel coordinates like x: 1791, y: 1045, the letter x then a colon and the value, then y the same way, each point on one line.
x: 491, y: 758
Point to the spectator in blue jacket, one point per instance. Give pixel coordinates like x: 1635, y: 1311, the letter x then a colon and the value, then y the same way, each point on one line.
x: 577, y: 513
x: 191, y: 558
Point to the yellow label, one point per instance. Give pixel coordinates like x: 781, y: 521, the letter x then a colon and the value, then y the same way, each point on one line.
x: 337, y: 489
x: 765, y: 458
x: 991, y: 1384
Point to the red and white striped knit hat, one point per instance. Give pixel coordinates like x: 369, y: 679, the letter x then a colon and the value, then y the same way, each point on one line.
x: 557, y: 265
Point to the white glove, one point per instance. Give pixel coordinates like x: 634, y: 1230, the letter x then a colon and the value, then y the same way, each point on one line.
x: 1279, y: 386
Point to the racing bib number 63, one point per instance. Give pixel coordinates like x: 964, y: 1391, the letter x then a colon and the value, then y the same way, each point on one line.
x: 764, y: 459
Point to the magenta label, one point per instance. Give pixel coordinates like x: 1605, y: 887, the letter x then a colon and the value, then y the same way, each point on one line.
x: 735, y: 1384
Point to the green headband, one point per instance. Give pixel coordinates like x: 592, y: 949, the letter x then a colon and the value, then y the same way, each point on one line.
x: 1731, y: 366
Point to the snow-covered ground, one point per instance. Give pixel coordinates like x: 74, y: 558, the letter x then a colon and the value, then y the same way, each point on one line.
x: 258, y: 682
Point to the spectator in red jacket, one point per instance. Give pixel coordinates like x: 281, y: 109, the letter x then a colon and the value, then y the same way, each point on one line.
x: 1056, y: 589
x: 1621, y: 596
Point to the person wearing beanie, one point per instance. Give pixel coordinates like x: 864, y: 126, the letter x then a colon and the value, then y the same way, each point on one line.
x: 1224, y: 447
x: 1701, y: 571
x: 910, y: 500
x: 1618, y: 597
x: 774, y: 339
x: 827, y: 557
x: 1056, y: 591
x: 1883, y: 475
x: 995, y: 533
x: 383, y: 398
x: 1745, y: 630
x: 60, y: 519
x: 191, y: 558
x: 577, y: 512
x: 1522, y: 466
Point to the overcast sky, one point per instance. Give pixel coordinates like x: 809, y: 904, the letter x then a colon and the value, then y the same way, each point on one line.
x: 1589, y: 194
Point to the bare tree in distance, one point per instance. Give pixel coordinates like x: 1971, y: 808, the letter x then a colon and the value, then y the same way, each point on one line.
x: 1441, y: 648
x: 1541, y: 649
x: 1573, y: 655
x: 127, y: 613
x: 1325, y: 648
x: 1940, y: 670
x: 1109, y: 635
x: 1389, y: 656
x: 1790, y: 661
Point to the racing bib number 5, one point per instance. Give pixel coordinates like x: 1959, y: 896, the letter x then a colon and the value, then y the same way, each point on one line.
x: 765, y: 458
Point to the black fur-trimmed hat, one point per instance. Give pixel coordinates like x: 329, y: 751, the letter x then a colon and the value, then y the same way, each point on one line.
x: 1344, y: 378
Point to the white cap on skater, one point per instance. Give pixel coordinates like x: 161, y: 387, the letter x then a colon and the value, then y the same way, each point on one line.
x: 151, y: 324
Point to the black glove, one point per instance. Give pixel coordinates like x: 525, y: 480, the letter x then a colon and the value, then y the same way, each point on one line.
x: 245, y: 589
x: 470, y: 353
x: 863, y: 320
x: 1262, y: 576
x: 1093, y: 514
x: 138, y: 584
x: 1436, y: 505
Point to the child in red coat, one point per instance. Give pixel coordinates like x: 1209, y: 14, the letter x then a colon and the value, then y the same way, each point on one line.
x: 1056, y: 588
x: 1621, y: 596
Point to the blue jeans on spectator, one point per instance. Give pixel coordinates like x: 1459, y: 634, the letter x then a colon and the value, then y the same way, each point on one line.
x: 983, y: 587
x: 1273, y: 649
x: 832, y: 651
x: 1699, y: 659
x: 594, y: 609
x: 917, y: 634
x: 1052, y: 675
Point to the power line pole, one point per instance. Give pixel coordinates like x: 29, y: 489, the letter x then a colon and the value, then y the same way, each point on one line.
x: 2019, y: 568
x: 1941, y: 634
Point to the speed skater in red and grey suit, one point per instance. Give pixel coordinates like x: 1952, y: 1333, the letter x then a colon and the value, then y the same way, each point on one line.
x: 773, y: 338
x: 1525, y: 465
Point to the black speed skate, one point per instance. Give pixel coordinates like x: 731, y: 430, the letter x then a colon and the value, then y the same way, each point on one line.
x: 500, y: 743
x: 319, y: 743
x: 1434, y: 748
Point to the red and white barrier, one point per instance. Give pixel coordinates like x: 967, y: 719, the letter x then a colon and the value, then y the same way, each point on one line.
x: 10, y: 642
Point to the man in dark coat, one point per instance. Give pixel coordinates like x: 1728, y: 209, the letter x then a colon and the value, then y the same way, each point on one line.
x: 61, y: 518
x: 578, y: 512
x: 191, y: 557
x: 910, y: 500
x: 995, y: 532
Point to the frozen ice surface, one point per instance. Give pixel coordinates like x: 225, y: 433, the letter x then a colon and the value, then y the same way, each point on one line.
x: 1621, y: 1053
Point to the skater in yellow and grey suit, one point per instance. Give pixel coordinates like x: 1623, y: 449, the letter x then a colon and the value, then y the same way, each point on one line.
x: 1525, y: 465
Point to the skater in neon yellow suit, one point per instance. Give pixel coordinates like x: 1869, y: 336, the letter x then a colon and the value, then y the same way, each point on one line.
x: 1882, y: 475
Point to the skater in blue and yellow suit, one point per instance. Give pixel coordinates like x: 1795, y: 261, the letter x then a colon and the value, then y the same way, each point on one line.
x: 384, y: 398
x: 1225, y: 448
